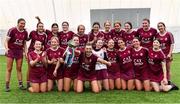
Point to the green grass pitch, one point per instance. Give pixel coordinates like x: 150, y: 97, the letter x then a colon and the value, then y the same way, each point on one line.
x: 115, y: 96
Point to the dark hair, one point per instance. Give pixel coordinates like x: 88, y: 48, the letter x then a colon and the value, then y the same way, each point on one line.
x: 39, y: 21
x: 54, y: 24
x: 162, y: 24
x: 157, y: 40
x: 79, y: 27
x: 74, y: 36
x: 137, y: 38
x: 146, y: 19
x: 20, y: 19
x: 64, y: 23
x: 95, y: 23
x: 117, y: 22
x: 129, y: 23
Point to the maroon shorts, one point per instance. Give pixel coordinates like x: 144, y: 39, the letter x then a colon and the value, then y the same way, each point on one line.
x: 17, y: 54
x: 101, y: 74
x: 142, y: 75
x: 85, y: 76
x: 127, y: 74
x: 156, y: 76
x: 50, y: 71
x: 37, y: 78
x: 113, y: 74
x: 71, y: 73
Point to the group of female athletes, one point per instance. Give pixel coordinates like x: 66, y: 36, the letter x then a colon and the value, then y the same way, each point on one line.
x: 115, y: 58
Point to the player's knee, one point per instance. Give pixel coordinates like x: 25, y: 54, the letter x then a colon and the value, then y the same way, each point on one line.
x: 156, y: 90
x: 66, y: 89
x: 123, y: 88
x: 79, y: 90
x: 43, y: 90
x: 9, y: 69
x: 96, y: 90
x: 19, y: 69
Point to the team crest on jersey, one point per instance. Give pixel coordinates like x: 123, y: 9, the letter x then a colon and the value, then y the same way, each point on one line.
x: 150, y: 34
x: 141, y: 54
x: 155, y: 55
x: 59, y: 53
x: 90, y: 60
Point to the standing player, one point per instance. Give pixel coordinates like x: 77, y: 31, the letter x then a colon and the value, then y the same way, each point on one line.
x: 83, y: 38
x: 55, y: 60
x: 37, y: 72
x: 114, y: 69
x: 106, y: 32
x: 146, y: 33
x: 117, y: 33
x: 129, y: 34
x: 141, y: 66
x: 54, y: 32
x: 158, y: 72
x: 15, y: 45
x: 126, y: 66
x: 95, y: 34
x: 87, y: 70
x: 101, y: 69
x: 65, y: 35
x: 36, y: 35
x: 167, y: 45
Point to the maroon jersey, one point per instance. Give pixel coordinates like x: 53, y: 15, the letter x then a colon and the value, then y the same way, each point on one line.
x: 166, y: 41
x: 140, y: 61
x: 146, y: 36
x: 35, y: 36
x: 65, y: 37
x: 72, y: 72
x: 155, y: 59
x: 83, y: 39
x: 99, y: 35
x: 107, y: 36
x: 112, y: 57
x: 17, y: 38
x: 125, y: 59
x: 37, y: 73
x: 54, y: 54
x: 39, y: 67
x: 116, y: 35
x: 128, y: 37
x: 87, y: 67
x: 50, y: 34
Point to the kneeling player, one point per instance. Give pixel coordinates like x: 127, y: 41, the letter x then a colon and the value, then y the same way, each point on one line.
x: 37, y: 74
x: 87, y: 70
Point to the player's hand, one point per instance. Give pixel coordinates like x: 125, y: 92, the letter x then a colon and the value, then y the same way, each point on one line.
x: 55, y: 73
x: 169, y: 56
x: 109, y: 63
x: 164, y: 81
x: 6, y: 51
x: 54, y: 61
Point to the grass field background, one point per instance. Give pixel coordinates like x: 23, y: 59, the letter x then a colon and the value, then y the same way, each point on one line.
x: 115, y: 96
